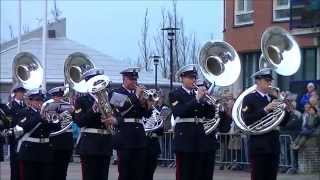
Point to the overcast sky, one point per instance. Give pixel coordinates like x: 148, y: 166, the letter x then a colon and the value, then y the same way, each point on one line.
x: 114, y: 27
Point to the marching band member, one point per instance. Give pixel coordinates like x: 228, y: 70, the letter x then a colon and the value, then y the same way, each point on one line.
x: 130, y: 138
x: 62, y: 144
x: 4, y: 124
x: 153, y: 149
x: 190, y: 142
x: 264, y: 149
x: 17, y: 108
x: 33, y: 148
x: 94, y: 144
x: 213, y: 144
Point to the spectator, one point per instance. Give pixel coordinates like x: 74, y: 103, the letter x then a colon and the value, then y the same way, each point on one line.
x: 314, y: 101
x: 292, y: 128
x: 311, y: 89
x: 310, y: 121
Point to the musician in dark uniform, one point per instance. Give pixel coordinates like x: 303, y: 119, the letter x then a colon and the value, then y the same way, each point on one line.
x: 190, y: 142
x: 18, y: 108
x: 94, y: 144
x: 212, y: 144
x: 33, y: 148
x: 62, y: 144
x: 153, y: 149
x: 4, y: 124
x: 264, y: 149
x: 130, y: 138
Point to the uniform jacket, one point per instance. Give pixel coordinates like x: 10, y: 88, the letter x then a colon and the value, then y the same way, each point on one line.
x: 253, y: 109
x: 3, y: 125
x: 17, y: 112
x: 189, y: 137
x: 85, y: 117
x: 31, y: 151
x: 130, y: 135
x: 62, y: 141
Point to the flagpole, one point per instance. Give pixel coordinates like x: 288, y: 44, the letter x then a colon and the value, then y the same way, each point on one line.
x: 44, y: 42
x: 19, y: 26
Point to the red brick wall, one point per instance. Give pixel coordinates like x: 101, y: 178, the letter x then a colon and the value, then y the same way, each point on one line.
x: 247, y: 38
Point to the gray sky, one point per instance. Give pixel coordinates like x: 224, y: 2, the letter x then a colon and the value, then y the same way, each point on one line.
x: 114, y: 27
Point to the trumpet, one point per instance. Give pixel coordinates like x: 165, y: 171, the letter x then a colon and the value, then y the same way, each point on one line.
x: 149, y: 94
x: 209, y: 99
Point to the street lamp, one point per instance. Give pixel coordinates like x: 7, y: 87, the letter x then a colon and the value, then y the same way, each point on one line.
x: 171, y: 32
x: 156, y: 60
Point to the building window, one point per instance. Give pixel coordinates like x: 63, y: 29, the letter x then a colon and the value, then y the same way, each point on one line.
x: 281, y: 10
x: 250, y: 65
x: 306, y: 72
x: 243, y: 13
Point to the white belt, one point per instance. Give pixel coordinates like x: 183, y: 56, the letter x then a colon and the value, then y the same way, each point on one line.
x: 68, y: 130
x: 191, y: 120
x: 95, y: 131
x: 131, y: 120
x: 37, y: 140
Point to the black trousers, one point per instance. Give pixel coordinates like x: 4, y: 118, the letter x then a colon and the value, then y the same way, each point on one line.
x: 131, y: 164
x: 194, y: 165
x: 61, y: 159
x: 264, y: 166
x: 14, y: 163
x: 95, y: 167
x: 208, y: 165
x: 31, y: 170
x: 151, y: 165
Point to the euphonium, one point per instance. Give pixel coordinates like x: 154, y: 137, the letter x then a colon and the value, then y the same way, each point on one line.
x: 97, y: 88
x: 59, y: 113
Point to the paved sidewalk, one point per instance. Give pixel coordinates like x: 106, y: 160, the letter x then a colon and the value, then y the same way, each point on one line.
x: 166, y: 174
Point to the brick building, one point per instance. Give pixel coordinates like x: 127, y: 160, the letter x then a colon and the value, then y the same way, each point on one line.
x: 244, y: 23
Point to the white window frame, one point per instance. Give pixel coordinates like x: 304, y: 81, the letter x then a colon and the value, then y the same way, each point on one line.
x: 242, y: 12
x: 282, y: 7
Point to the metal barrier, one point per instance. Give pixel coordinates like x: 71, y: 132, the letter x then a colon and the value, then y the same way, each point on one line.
x: 167, y: 154
x: 232, y: 151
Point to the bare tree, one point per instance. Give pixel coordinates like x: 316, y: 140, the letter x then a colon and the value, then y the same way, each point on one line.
x: 26, y: 28
x: 144, y: 44
x: 194, y: 49
x: 160, y: 44
x: 183, y: 45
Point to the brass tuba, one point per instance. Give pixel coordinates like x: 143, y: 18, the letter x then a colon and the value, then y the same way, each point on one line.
x: 60, y: 112
x: 220, y: 65
x: 74, y: 66
x: 281, y: 53
x: 27, y: 71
